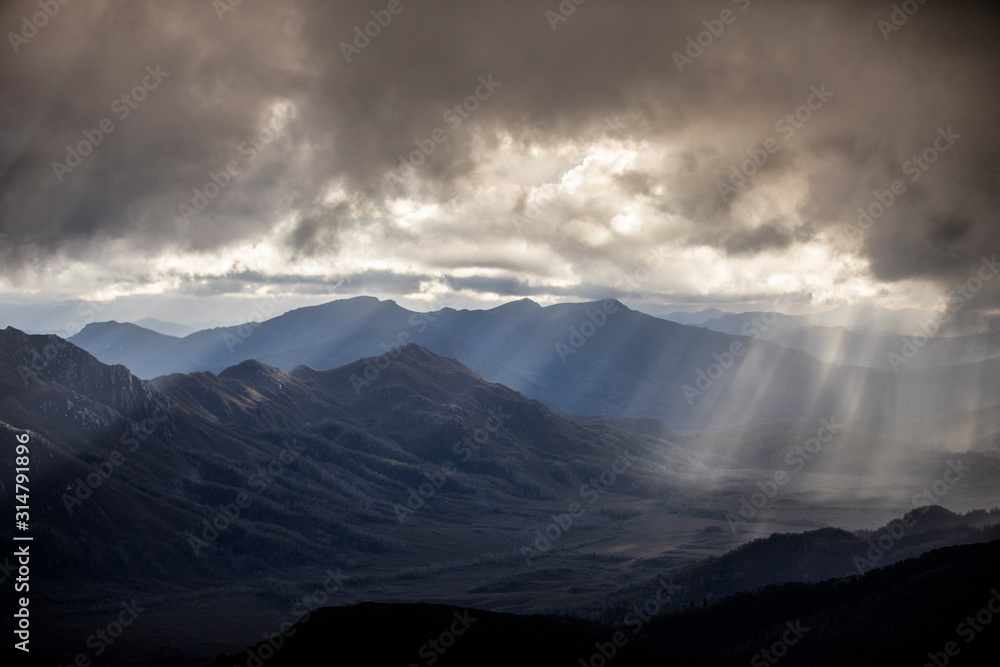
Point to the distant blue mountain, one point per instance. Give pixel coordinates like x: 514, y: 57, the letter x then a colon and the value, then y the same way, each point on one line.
x: 698, y: 318
x: 598, y: 358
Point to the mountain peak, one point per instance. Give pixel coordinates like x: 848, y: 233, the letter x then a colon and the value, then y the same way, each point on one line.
x: 50, y: 359
x: 608, y: 304
x: 519, y: 306
x: 414, y: 351
x: 423, y: 372
x: 249, y: 369
x: 115, y: 328
x: 617, y: 304
x: 932, y: 514
x: 351, y: 306
x: 418, y: 357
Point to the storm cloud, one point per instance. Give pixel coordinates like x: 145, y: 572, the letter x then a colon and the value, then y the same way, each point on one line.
x: 500, y: 148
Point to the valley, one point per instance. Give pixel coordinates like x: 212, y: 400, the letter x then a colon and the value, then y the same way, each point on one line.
x: 257, y: 494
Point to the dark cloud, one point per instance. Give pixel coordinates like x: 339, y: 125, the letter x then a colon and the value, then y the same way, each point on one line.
x: 317, y: 234
x: 635, y: 182
x: 771, y: 235
x: 268, y: 89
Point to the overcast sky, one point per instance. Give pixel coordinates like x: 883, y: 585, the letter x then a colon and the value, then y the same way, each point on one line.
x: 598, y: 152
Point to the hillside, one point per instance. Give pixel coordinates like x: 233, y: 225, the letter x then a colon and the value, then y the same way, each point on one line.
x: 899, y: 615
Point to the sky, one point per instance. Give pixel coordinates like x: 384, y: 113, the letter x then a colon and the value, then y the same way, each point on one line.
x: 187, y: 160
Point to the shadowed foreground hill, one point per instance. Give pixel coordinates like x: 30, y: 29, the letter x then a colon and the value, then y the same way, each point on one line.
x: 810, y: 557
x: 251, y: 481
x: 894, y: 616
x: 165, y: 455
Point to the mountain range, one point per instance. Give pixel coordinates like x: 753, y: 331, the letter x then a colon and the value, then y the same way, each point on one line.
x: 599, y: 358
x: 404, y: 476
